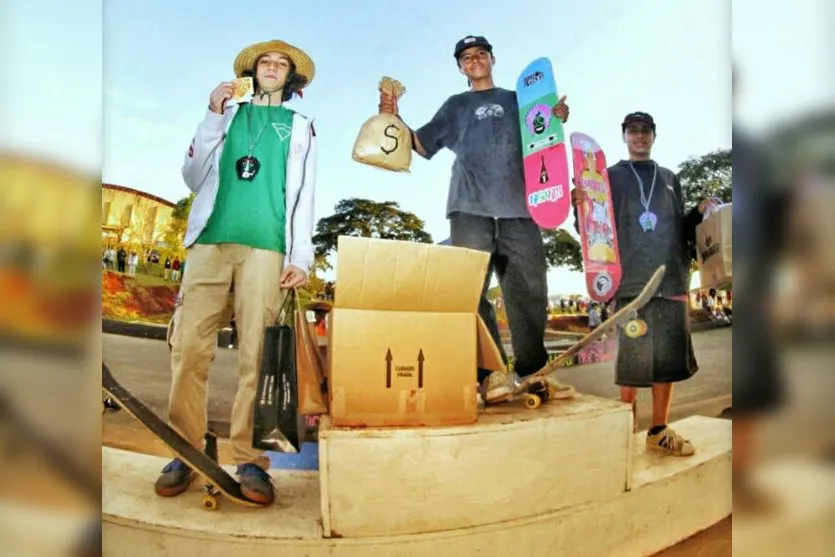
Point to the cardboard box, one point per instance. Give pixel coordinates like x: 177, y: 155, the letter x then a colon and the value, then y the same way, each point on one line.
x: 405, y: 338
x: 714, y: 248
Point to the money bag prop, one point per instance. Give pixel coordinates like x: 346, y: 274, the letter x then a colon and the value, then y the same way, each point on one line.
x: 384, y: 140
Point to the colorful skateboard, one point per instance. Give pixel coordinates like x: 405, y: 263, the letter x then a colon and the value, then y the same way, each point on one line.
x: 543, y: 146
x: 538, y: 387
x: 203, y: 463
x: 596, y: 219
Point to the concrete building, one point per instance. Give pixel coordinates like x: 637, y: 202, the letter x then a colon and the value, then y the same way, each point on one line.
x: 133, y: 218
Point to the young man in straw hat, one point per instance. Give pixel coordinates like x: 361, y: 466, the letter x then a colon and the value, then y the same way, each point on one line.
x: 252, y: 166
x: 486, y: 205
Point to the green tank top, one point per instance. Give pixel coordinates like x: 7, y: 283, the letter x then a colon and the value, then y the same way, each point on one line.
x: 253, y: 213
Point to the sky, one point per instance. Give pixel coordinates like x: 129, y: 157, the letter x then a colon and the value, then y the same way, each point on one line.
x: 161, y: 59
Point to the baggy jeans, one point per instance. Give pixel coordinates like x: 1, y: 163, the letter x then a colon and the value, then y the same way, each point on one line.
x: 517, y: 255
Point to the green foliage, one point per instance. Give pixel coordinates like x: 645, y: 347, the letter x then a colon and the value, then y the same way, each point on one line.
x: 706, y: 176
x: 368, y: 219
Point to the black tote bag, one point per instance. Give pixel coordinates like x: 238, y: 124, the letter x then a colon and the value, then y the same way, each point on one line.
x: 277, y: 424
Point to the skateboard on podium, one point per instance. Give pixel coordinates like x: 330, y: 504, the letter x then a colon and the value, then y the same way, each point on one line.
x: 539, y: 387
x: 596, y: 219
x: 544, y: 153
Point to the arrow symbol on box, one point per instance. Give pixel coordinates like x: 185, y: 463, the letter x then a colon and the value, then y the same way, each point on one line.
x: 420, y: 369
x: 388, y: 368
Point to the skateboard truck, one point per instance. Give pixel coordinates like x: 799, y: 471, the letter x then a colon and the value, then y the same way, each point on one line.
x: 545, y: 391
x: 210, y: 499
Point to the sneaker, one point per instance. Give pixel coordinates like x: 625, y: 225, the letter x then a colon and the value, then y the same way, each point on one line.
x: 256, y: 484
x: 175, y: 479
x: 498, y: 384
x: 670, y: 442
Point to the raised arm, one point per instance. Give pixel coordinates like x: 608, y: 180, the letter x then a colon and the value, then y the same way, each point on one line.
x: 434, y: 133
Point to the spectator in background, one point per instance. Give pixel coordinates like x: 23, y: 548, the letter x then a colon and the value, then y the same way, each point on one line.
x: 329, y: 290
x: 594, y: 317
x: 121, y: 258
x: 133, y: 261
x: 167, y: 268
x: 175, y: 269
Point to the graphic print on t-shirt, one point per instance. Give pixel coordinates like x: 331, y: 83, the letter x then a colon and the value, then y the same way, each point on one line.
x: 283, y: 131
x: 485, y: 110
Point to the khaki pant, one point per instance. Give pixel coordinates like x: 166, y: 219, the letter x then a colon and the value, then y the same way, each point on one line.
x: 203, y: 298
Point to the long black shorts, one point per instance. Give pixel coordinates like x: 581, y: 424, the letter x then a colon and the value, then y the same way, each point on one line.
x: 664, y: 354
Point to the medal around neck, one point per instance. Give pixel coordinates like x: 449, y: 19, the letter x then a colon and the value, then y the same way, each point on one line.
x: 247, y: 167
x: 648, y: 220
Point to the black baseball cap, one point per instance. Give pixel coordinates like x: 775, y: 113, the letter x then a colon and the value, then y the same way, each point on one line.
x: 633, y: 117
x: 471, y: 40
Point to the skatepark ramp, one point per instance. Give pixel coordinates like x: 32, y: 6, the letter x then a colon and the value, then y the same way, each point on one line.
x: 570, y: 478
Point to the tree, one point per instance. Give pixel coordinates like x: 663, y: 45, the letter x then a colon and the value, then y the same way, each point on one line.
x: 368, y: 219
x: 176, y: 231
x: 562, y: 250
x: 320, y: 265
x: 706, y: 176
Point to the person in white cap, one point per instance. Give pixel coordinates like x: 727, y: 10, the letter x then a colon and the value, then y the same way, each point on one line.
x: 253, y: 166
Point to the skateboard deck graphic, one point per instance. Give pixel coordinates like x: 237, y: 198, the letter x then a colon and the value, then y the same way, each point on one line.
x: 538, y: 387
x: 596, y: 219
x: 543, y: 146
x: 200, y: 462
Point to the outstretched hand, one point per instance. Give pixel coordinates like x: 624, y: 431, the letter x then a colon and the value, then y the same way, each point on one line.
x: 578, y: 195
x: 710, y: 204
x: 561, y: 110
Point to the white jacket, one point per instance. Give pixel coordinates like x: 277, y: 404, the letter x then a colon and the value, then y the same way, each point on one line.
x: 200, y: 173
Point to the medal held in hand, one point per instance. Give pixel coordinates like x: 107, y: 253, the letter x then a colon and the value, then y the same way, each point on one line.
x: 247, y: 167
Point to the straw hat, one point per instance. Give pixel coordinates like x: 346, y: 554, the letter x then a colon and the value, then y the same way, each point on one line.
x: 246, y: 59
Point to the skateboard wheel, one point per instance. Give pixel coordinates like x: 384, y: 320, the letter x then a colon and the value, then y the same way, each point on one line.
x: 635, y: 328
x: 210, y: 502
x: 532, y: 401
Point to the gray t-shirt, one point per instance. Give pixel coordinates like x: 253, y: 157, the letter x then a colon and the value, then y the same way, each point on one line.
x: 482, y: 129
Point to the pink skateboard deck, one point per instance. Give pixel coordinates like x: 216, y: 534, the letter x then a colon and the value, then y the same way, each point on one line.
x: 596, y: 219
x: 543, y: 146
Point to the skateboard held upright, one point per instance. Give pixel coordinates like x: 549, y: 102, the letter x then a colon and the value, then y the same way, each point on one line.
x: 596, y: 219
x: 543, y: 146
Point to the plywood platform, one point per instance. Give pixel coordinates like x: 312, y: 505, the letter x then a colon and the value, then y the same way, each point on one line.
x: 670, y: 499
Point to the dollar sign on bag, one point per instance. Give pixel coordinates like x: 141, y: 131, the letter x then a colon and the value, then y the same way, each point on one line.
x: 396, y: 141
